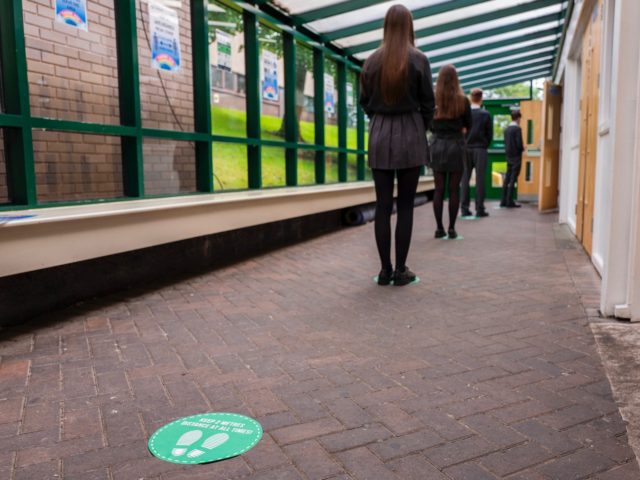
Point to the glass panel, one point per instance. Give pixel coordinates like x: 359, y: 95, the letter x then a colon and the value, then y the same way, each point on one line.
x: 305, y: 94
x: 528, y: 171
x: 230, y: 167
x: 500, y: 123
x: 4, y: 189
x: 272, y: 81
x: 228, y: 83
x: 169, y: 166
x: 273, y: 167
x: 368, y: 176
x: 330, y: 103
x: 331, y: 167
x: 76, y: 166
x: 529, y: 131
x: 514, y: 58
x: 306, y: 167
x: 352, y: 167
x: 166, y: 81
x: 299, y: 6
x: 352, y: 110
x: 73, y: 73
x: 504, y: 71
x: 498, y: 171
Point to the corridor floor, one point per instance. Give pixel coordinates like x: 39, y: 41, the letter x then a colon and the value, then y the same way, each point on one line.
x: 486, y: 369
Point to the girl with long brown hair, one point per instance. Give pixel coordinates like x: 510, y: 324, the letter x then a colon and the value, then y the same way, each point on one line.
x: 452, y: 121
x: 397, y: 95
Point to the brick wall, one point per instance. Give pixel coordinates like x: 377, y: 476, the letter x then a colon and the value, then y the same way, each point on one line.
x: 73, y: 76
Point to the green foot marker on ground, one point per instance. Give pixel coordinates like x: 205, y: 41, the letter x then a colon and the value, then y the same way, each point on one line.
x: 205, y: 438
x: 469, y: 217
x: 417, y: 280
x: 459, y: 237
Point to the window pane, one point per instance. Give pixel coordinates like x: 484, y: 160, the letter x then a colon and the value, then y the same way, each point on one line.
x: 4, y: 190
x: 273, y: 167
x: 73, y: 73
x: 169, y: 166
x: 352, y: 167
x: 272, y: 81
x: 166, y: 80
x: 230, y: 167
x: 228, y: 83
x: 331, y: 103
x: 331, y: 167
x: 75, y: 166
x: 305, y: 94
x: 500, y: 124
x: 306, y: 167
x: 352, y: 109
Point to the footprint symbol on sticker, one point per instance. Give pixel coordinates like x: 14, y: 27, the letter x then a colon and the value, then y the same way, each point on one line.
x: 186, y: 439
x: 210, y: 443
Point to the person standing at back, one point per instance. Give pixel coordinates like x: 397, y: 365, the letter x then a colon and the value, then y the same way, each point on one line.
x: 448, y: 148
x: 397, y: 95
x: 479, y: 138
x: 514, y: 147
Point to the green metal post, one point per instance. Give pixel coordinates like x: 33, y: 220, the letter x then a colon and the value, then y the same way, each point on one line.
x: 360, y: 131
x: 129, y: 87
x: 254, y: 100
x: 202, y: 93
x: 318, y: 73
x: 291, y: 114
x: 18, y: 141
x: 342, y: 121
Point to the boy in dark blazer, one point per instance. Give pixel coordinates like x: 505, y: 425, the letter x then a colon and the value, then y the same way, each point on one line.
x: 514, y: 147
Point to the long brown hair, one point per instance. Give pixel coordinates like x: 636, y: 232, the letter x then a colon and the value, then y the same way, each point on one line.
x: 450, y: 99
x: 399, y: 39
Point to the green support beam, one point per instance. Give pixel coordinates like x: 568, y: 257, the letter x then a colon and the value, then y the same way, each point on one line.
x: 466, y: 77
x: 418, y: 13
x: 496, y: 65
x: 360, y: 132
x: 333, y: 10
x: 290, y: 111
x: 129, y: 89
x: 482, y: 82
x: 463, y: 23
x: 18, y: 142
x: 318, y: 107
x: 499, y: 44
x: 202, y: 93
x: 342, y: 121
x: 253, y: 97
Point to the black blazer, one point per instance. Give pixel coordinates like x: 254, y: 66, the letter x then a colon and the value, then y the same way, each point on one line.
x: 481, y: 132
x: 418, y: 98
x: 513, y: 141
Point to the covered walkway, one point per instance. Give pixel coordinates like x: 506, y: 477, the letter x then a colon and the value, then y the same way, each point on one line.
x: 487, y: 369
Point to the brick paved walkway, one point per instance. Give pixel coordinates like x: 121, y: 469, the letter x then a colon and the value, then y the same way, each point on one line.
x: 487, y: 369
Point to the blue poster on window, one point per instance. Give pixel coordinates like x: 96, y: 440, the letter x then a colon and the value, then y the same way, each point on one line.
x: 329, y: 94
x: 165, y: 37
x: 72, y: 12
x: 270, y: 76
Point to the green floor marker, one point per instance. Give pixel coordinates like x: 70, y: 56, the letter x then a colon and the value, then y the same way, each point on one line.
x: 416, y: 281
x: 469, y: 217
x: 459, y: 237
x: 205, y: 438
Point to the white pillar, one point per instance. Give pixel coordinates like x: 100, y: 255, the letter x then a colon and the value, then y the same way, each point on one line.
x: 634, y: 257
x: 622, y: 155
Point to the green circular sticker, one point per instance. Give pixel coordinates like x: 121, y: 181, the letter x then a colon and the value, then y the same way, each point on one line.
x: 205, y: 438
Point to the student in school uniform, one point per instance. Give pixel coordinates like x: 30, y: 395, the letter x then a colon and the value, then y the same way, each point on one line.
x: 514, y: 147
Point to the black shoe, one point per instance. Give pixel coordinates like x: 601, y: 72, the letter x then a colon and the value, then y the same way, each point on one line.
x: 514, y: 205
x: 466, y: 213
x: 385, y: 276
x: 452, y: 234
x: 503, y: 205
x: 403, y: 276
x: 482, y: 214
x: 440, y: 233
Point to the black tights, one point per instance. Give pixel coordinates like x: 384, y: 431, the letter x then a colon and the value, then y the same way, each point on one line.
x: 454, y: 197
x: 407, y: 186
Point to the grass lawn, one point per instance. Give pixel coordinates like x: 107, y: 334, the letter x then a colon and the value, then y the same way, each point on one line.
x: 230, y: 160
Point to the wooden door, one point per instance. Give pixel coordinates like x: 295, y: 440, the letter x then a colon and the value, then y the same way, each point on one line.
x: 550, y: 155
x: 589, y: 128
x: 529, y: 178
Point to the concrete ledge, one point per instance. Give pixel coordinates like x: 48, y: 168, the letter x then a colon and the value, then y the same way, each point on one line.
x: 62, y: 235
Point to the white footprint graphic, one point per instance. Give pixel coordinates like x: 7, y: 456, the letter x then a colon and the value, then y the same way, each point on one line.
x: 185, y: 440
x: 210, y: 443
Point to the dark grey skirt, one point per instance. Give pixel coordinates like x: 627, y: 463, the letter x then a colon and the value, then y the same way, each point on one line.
x: 448, y: 153
x: 397, y: 141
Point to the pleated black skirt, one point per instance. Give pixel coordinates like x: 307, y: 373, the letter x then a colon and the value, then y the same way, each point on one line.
x: 397, y: 141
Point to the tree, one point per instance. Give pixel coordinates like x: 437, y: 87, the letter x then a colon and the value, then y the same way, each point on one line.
x: 518, y: 90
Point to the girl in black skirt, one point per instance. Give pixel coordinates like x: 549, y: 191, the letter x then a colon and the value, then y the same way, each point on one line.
x: 448, y: 148
x: 397, y: 95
